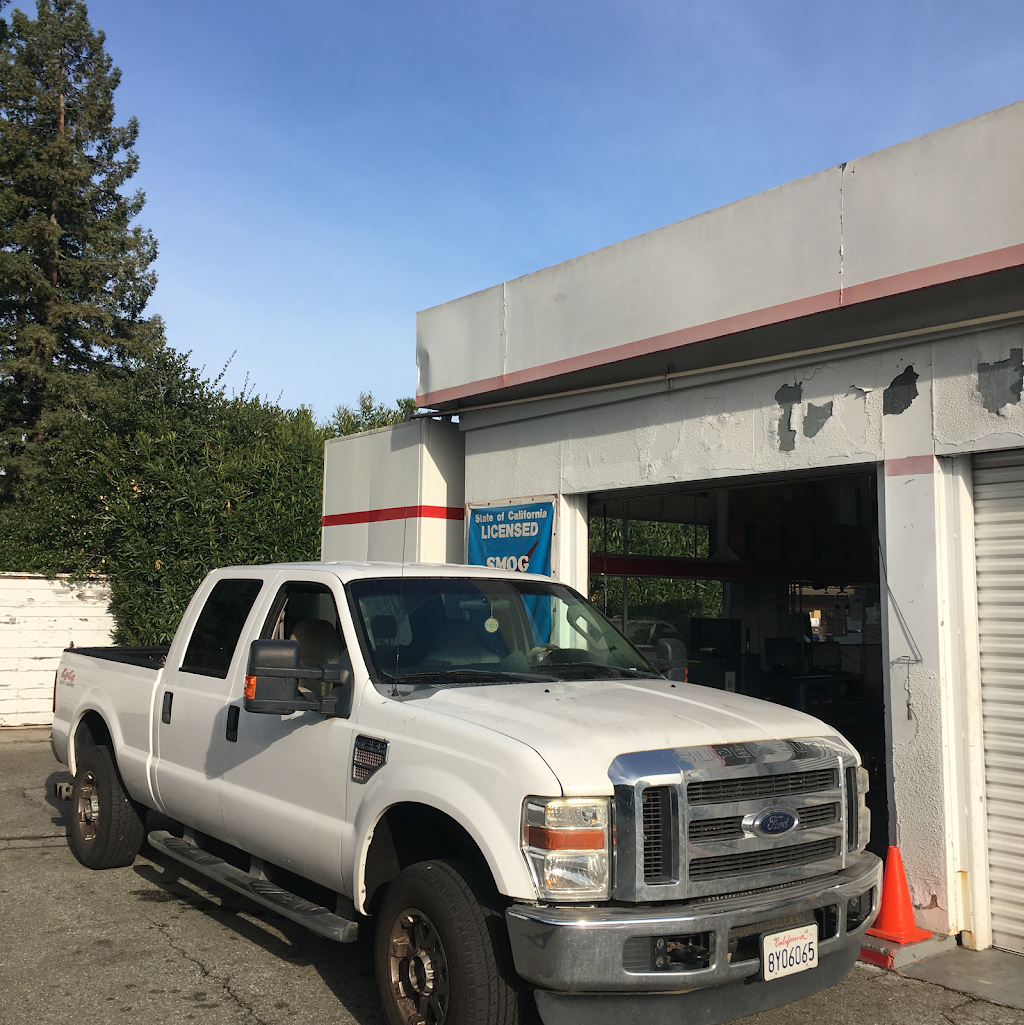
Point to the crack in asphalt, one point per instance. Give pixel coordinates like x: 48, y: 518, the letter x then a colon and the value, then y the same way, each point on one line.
x: 31, y: 843
x: 952, y: 1015
x: 224, y: 984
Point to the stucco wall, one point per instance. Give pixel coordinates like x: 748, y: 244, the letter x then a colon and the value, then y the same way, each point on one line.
x: 722, y: 425
x: 39, y: 618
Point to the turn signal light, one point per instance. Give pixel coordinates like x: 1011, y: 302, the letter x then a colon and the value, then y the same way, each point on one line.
x: 250, y: 687
x: 565, y: 839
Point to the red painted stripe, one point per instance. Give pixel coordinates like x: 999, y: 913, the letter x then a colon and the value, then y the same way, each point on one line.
x: 908, y: 465
x: 643, y: 347
x: 894, y: 284
x: 938, y: 274
x: 398, y: 512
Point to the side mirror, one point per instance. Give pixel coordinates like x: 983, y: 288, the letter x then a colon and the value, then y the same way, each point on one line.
x: 272, y: 682
x: 671, y: 657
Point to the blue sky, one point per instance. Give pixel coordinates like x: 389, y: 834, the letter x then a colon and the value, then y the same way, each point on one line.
x: 318, y: 171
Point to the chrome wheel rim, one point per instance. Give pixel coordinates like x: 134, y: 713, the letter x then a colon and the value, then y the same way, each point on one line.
x: 87, y: 808
x: 418, y: 968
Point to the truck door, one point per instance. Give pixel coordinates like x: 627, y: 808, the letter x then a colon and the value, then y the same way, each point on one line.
x: 190, y: 705
x: 284, y: 776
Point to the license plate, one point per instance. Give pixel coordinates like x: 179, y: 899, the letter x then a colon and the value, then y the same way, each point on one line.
x: 790, y: 951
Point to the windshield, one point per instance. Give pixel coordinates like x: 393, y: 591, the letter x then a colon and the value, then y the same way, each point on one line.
x: 449, y: 631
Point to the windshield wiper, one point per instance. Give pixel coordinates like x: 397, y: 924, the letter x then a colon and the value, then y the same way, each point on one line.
x: 478, y: 675
x: 621, y: 671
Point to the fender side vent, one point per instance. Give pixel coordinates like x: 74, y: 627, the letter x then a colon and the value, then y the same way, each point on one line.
x: 368, y: 756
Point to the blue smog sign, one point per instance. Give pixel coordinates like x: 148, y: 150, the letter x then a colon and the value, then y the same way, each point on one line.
x: 516, y: 537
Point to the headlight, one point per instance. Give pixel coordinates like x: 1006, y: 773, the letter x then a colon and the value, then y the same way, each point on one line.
x: 566, y: 844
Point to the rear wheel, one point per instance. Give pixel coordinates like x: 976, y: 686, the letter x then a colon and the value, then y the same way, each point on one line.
x: 441, y: 950
x: 107, y: 827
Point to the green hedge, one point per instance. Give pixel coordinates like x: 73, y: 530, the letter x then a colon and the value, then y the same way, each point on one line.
x: 167, y: 479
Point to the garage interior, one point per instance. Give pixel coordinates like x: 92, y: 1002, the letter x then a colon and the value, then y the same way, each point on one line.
x: 772, y: 584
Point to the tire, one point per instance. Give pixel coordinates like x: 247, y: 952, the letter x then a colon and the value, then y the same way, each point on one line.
x: 107, y: 827
x: 441, y: 951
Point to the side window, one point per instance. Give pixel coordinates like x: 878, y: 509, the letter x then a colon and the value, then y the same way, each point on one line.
x: 306, y: 612
x: 216, y: 633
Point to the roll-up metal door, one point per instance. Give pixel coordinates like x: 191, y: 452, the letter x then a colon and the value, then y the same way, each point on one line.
x: 999, y: 539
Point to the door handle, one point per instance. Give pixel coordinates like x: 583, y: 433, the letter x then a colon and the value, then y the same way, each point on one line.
x: 165, y: 715
x: 232, y: 731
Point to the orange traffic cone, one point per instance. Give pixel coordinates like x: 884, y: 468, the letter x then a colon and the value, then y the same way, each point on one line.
x: 895, y: 920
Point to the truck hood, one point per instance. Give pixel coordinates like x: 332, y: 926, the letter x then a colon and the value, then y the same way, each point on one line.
x: 579, y: 727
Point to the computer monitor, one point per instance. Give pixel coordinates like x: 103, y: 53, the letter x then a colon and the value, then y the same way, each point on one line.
x: 826, y: 655
x: 782, y: 653
x: 719, y: 637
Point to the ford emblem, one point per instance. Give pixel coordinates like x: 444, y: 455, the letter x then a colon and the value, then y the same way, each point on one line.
x: 772, y: 823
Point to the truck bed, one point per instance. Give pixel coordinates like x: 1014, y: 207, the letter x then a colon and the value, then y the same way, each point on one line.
x: 118, y: 683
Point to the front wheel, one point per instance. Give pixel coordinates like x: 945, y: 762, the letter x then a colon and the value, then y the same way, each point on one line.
x: 107, y: 827
x: 441, y: 950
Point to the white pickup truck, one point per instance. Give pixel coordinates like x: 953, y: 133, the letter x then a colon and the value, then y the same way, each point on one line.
x: 478, y: 762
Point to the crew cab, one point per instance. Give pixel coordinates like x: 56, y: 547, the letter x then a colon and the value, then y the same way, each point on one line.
x: 479, y: 767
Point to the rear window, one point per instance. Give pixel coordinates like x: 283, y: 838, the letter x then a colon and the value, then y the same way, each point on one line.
x: 215, y: 637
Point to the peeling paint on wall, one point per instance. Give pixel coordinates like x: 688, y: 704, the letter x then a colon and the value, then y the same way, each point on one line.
x: 852, y: 412
x: 967, y: 419
x: 666, y: 438
x: 1000, y: 383
x: 900, y: 394
x: 815, y: 418
x: 787, y: 397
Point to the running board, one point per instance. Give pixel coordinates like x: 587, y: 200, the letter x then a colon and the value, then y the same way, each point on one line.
x: 314, y: 917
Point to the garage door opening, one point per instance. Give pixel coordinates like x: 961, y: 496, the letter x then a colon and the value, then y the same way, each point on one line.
x: 772, y: 585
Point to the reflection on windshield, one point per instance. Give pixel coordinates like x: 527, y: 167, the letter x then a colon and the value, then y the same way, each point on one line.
x: 449, y: 631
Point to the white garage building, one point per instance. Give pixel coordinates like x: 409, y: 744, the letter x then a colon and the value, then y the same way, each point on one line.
x: 791, y: 430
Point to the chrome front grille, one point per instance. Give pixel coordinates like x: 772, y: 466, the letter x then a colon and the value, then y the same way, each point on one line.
x: 658, y: 840
x: 731, y: 828
x: 690, y: 823
x: 763, y: 860
x: 852, y: 807
x: 719, y: 791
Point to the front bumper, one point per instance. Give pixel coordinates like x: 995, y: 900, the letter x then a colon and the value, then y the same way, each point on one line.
x: 584, y: 950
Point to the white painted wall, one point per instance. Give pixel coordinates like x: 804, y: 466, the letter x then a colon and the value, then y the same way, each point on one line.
x: 419, y: 463
x: 39, y: 618
x: 572, y: 542
x: 723, y: 425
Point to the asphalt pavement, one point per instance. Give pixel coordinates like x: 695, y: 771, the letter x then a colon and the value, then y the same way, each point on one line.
x: 157, y: 942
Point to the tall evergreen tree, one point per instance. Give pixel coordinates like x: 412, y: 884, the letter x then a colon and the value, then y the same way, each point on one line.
x: 74, y: 271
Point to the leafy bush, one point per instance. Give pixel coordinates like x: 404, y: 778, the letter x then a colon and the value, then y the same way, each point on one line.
x: 369, y: 416
x: 166, y: 480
